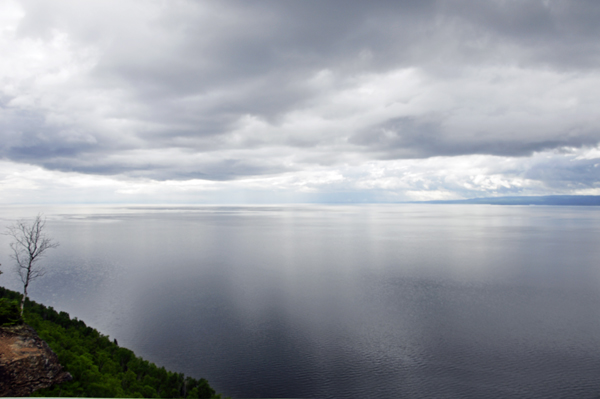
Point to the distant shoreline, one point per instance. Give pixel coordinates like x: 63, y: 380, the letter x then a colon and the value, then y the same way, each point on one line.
x: 564, y: 200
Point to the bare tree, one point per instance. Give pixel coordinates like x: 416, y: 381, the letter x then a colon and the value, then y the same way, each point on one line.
x: 29, y: 246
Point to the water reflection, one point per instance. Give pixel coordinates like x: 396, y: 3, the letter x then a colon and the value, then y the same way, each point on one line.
x: 340, y: 301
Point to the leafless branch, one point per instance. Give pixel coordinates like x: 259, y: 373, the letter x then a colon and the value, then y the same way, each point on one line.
x: 29, y: 245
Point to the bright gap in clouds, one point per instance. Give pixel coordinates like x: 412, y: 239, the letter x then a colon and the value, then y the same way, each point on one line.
x: 267, y: 102
x: 438, y: 178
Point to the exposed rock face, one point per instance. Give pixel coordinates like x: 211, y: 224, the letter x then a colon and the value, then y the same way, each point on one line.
x: 26, y: 362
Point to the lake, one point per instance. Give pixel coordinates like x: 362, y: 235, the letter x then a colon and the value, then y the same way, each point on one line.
x: 408, y: 300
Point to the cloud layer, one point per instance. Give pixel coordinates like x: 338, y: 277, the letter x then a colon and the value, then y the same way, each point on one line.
x: 355, y: 98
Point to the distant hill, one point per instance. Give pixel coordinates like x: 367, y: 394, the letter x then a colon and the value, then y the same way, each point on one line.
x: 572, y: 200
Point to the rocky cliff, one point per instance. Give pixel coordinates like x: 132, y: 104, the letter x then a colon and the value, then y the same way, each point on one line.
x: 26, y: 362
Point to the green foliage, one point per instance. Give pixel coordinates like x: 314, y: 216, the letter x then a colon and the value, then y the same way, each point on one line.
x: 10, y: 314
x: 100, y: 368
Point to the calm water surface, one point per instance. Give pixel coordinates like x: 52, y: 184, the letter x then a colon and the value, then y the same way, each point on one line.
x: 416, y: 301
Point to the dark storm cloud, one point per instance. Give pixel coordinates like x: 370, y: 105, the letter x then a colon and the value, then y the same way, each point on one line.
x: 205, y: 169
x: 558, y: 33
x: 567, y: 173
x: 26, y: 138
x: 412, y: 138
x: 184, y: 76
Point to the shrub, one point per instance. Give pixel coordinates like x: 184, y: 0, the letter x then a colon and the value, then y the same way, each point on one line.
x: 9, y: 312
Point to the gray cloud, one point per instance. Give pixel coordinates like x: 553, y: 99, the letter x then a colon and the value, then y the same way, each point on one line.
x: 193, y: 90
x: 217, y: 170
x: 412, y: 138
x: 567, y: 174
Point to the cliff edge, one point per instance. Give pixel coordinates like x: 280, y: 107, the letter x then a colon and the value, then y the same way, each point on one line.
x: 26, y: 362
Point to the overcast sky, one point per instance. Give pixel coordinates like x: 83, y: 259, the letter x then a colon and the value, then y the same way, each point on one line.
x: 297, y: 101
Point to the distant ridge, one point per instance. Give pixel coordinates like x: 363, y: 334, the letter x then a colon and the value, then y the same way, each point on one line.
x: 573, y: 200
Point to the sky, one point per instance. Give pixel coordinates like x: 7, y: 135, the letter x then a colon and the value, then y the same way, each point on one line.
x: 277, y: 101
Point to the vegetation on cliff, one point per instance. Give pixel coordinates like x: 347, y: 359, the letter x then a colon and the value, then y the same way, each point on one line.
x: 100, y: 368
x: 10, y: 314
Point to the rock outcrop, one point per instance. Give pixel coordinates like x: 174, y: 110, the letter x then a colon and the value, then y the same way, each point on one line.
x: 26, y: 362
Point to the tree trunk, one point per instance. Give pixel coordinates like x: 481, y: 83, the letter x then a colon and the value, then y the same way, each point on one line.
x: 23, y: 299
